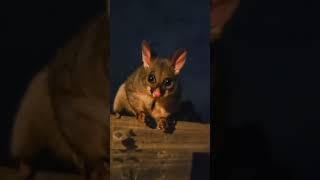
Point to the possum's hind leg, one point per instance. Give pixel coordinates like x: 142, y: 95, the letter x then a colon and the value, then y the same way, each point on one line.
x: 118, y: 115
x: 118, y: 101
x: 120, y: 104
x: 24, y: 148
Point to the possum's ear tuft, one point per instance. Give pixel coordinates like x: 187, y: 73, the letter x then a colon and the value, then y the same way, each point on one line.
x: 178, y: 60
x: 146, y: 54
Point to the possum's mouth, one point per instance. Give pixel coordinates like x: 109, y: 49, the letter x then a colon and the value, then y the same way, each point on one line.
x: 156, y: 93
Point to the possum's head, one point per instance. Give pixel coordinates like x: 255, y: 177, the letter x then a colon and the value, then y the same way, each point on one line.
x: 161, y: 75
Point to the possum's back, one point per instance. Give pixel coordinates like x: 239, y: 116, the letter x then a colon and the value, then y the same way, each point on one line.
x: 33, y: 119
x: 79, y: 69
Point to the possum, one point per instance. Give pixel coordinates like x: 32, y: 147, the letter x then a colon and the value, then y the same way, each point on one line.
x: 65, y: 109
x: 154, y: 89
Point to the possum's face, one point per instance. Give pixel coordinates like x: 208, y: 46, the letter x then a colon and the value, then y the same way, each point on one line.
x: 161, y: 75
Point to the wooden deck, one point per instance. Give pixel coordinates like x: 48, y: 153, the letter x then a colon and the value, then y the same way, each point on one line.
x: 139, y: 152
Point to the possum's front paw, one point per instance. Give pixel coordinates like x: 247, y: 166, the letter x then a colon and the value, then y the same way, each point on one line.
x: 141, y: 117
x: 162, y: 123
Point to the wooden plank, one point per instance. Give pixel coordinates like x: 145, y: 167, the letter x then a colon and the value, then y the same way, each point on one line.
x: 139, y: 152
x: 187, y: 136
x: 151, y: 165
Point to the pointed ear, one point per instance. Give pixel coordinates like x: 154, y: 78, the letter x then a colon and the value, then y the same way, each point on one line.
x: 178, y: 60
x: 146, y: 54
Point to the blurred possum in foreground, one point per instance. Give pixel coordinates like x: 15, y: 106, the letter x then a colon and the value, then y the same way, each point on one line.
x: 65, y: 109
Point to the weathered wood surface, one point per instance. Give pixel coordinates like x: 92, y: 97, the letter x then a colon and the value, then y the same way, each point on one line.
x: 139, y: 152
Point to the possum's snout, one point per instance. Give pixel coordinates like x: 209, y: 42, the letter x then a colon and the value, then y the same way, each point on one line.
x: 156, y: 93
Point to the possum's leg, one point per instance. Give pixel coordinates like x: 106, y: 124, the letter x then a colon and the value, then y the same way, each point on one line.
x: 30, y: 126
x: 63, y: 151
x: 162, y: 123
x: 120, y: 103
x: 118, y: 115
x: 25, y: 149
x: 138, y: 108
x: 83, y: 125
x: 141, y: 116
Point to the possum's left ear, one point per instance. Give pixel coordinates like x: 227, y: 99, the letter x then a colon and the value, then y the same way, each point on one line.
x: 178, y: 60
x: 146, y: 54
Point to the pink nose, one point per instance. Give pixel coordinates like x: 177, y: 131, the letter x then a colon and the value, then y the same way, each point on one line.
x: 156, y: 93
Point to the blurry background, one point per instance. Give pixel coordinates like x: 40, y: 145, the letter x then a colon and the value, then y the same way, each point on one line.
x: 167, y: 25
x: 31, y: 32
x: 268, y: 62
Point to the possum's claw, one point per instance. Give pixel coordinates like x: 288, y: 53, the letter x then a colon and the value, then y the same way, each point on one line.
x: 141, y: 117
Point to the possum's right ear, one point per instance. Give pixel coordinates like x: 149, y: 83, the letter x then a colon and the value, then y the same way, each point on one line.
x: 146, y: 54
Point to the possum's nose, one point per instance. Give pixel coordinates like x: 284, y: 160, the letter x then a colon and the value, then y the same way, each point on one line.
x: 156, y: 93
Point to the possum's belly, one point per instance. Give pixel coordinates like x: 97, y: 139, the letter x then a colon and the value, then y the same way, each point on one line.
x: 163, y: 110
x: 146, y: 99
x: 159, y: 111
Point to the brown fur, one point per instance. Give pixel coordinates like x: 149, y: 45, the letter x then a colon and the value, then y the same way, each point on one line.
x: 135, y: 94
x: 66, y: 109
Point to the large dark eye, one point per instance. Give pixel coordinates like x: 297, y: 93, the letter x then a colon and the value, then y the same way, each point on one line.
x: 168, y: 83
x: 151, y: 78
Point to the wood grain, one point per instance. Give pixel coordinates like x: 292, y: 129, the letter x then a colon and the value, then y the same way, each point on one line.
x: 139, y: 152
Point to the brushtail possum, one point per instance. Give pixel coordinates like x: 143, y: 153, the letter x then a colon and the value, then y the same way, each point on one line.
x: 154, y: 89
x: 65, y: 109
